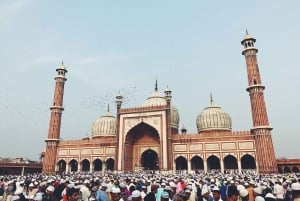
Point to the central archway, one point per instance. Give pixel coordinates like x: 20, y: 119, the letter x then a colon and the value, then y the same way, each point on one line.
x: 149, y: 160
x: 139, y: 137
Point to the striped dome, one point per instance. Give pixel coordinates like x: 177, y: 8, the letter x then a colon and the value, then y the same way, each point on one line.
x: 213, y: 118
x: 154, y: 100
x: 157, y: 100
x: 105, y: 125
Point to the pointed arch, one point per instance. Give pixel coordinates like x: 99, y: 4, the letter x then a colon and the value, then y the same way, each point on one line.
x: 147, y: 121
x: 181, y: 163
x: 213, y: 163
x: 141, y: 135
x: 97, y: 164
x: 280, y: 171
x: 61, y: 166
x: 287, y: 169
x: 73, y: 164
x: 134, y: 133
x: 295, y: 169
x: 197, y: 163
x: 85, y: 165
x: 110, y: 164
x: 248, y: 162
x: 230, y: 162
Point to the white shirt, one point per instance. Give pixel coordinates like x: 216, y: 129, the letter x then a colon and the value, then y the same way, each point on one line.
x: 278, y: 191
x: 85, y: 193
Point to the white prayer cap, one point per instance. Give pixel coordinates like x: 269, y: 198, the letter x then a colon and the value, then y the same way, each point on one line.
x: 115, y: 190
x: 136, y: 194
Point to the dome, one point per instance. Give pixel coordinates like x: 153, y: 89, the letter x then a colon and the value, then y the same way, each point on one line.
x: 105, y: 125
x: 157, y: 100
x: 154, y: 100
x: 213, y: 118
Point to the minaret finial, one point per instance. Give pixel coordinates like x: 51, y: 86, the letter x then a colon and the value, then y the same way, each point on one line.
x: 211, y: 98
x: 156, y: 85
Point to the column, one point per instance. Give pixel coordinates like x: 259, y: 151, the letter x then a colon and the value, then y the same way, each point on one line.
x: 103, y: 166
x: 56, y: 168
x: 239, y: 166
x: 189, y: 164
x: 79, y: 167
x: 67, y: 167
x: 23, y: 169
x: 205, y: 165
x: 174, y: 166
x: 91, y: 166
x: 222, y: 165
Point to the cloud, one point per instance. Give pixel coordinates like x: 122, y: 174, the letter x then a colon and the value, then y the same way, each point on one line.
x: 102, y: 60
x: 9, y: 9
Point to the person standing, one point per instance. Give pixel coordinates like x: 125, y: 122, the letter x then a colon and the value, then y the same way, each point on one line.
x: 116, y: 194
x: 232, y: 193
x: 244, y: 195
x: 73, y: 194
x: 296, y: 191
x: 278, y: 191
x: 151, y: 196
x: 101, y: 194
x: 85, y: 191
x: 216, y: 194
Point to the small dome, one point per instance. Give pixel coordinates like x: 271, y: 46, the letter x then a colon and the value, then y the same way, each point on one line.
x: 213, y: 118
x: 105, y: 125
x: 157, y: 100
x: 247, y: 37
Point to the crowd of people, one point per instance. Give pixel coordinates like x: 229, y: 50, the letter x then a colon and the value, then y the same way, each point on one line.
x: 142, y: 186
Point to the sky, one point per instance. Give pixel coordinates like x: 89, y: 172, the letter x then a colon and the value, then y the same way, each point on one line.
x: 193, y: 47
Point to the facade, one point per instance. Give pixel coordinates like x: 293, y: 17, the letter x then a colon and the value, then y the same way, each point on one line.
x: 147, y: 137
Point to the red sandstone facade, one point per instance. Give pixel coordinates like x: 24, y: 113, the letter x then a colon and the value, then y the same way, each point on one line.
x: 147, y: 136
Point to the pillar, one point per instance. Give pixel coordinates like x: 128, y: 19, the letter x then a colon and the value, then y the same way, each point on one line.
x: 189, y: 164
x: 239, y: 166
x: 222, y: 165
x: 205, y: 165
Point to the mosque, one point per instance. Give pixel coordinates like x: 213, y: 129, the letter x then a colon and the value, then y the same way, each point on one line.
x: 147, y: 137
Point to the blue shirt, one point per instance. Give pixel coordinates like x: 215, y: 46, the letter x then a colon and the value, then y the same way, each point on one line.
x: 101, y: 196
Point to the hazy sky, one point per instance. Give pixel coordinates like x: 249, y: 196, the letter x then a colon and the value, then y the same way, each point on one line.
x: 191, y: 46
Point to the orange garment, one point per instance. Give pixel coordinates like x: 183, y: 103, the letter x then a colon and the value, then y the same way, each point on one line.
x: 250, y: 191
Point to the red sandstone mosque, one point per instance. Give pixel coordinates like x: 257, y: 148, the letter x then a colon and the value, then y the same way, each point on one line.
x: 148, y: 136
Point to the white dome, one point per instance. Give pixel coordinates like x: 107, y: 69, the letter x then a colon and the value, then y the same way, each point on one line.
x: 105, y: 125
x: 154, y: 100
x: 157, y: 100
x: 213, y: 118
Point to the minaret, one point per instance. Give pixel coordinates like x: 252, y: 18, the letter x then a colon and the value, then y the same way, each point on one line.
x: 168, y: 98
x: 119, y: 101
x: 265, y: 156
x: 55, y: 121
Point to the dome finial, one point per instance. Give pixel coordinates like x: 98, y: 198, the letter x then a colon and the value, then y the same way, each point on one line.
x: 62, y: 63
x: 108, y: 107
x: 211, y: 98
x: 247, y: 32
x: 156, y: 85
